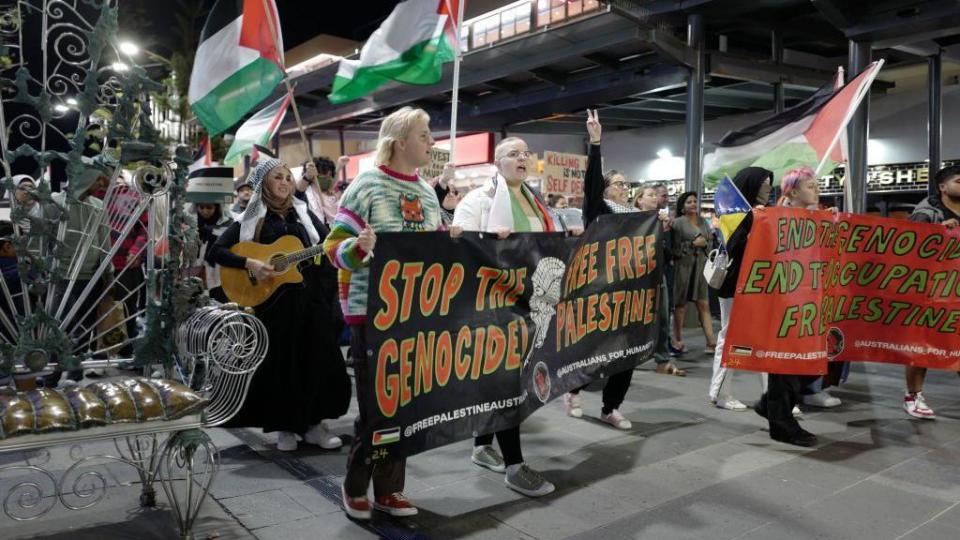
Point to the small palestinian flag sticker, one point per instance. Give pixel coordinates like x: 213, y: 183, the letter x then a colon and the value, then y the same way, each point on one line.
x: 386, y: 436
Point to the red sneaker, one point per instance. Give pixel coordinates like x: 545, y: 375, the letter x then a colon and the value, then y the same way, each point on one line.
x: 396, y: 505
x: 355, y: 507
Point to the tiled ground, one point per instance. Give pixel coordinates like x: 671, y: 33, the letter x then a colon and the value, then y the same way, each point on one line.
x: 686, y: 470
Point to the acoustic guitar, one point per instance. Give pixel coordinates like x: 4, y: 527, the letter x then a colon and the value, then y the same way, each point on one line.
x: 242, y: 287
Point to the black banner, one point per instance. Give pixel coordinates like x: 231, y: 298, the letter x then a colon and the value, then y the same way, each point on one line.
x: 470, y: 336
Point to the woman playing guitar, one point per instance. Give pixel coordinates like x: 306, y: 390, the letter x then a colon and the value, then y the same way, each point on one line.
x: 303, y: 379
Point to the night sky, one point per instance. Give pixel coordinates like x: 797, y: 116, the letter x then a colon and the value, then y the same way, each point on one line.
x: 155, y: 27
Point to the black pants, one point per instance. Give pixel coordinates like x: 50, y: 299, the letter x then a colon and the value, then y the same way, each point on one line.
x: 783, y: 394
x: 614, y: 391
x: 509, y: 441
x: 388, y: 474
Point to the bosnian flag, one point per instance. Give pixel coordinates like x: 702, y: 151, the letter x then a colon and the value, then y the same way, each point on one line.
x: 806, y: 134
x: 730, y: 206
x: 239, y: 62
x: 257, y: 130
x: 411, y: 47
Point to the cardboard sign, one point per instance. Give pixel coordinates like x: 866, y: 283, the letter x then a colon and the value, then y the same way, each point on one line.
x: 563, y: 174
x: 438, y: 158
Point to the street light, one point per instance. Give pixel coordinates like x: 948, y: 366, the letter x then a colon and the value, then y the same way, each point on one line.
x: 129, y: 48
x: 119, y: 66
x: 72, y: 102
x: 61, y: 108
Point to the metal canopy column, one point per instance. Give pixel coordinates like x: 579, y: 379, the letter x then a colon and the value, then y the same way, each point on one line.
x: 858, y: 132
x: 776, y: 55
x: 693, y: 177
x: 935, y: 118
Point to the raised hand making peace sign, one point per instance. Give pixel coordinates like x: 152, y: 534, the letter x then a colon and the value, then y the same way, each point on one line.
x: 593, y: 126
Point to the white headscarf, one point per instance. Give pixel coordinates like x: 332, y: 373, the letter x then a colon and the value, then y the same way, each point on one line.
x: 256, y: 210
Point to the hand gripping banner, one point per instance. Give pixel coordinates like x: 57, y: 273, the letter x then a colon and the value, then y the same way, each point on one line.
x: 815, y: 287
x: 469, y: 336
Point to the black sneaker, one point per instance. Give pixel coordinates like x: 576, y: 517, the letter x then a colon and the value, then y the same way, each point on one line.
x: 801, y: 437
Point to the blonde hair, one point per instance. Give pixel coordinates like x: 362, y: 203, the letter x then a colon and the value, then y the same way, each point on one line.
x: 501, y: 150
x: 396, y: 127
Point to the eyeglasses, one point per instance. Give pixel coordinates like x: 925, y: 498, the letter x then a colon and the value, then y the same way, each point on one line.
x: 619, y: 183
x: 517, y: 154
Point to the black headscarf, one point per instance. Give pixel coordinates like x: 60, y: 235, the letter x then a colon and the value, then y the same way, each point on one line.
x: 682, y: 200
x: 749, y: 180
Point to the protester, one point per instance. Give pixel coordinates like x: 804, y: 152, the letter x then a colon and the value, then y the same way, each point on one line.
x: 24, y: 197
x: 211, y: 223
x: 559, y: 202
x: 316, y: 187
x: 755, y: 185
x: 244, y: 191
x: 800, y: 188
x: 448, y: 195
x: 608, y: 194
x: 503, y: 205
x: 942, y: 208
x: 390, y: 198
x: 12, y: 307
x: 82, y: 216
x: 691, y: 243
x: 303, y: 378
x: 648, y: 201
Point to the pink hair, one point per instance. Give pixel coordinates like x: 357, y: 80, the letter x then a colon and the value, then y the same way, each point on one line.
x: 791, y: 180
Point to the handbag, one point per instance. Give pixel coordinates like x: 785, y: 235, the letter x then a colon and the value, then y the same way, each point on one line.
x: 715, y: 270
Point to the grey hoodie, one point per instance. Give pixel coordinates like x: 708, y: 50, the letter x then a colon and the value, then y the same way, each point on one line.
x: 932, y: 210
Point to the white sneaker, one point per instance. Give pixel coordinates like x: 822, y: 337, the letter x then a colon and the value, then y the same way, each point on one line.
x: 574, y: 405
x: 916, y: 406
x: 821, y: 399
x: 286, y: 441
x: 730, y: 404
x: 796, y: 412
x: 319, y: 436
x: 616, y: 419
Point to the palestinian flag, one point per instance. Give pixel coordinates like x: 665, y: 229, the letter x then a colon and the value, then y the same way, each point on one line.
x: 203, y: 156
x: 411, y: 47
x: 239, y: 62
x: 257, y: 130
x: 806, y: 134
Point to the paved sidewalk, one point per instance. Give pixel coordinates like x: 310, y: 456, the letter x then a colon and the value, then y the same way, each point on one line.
x: 686, y: 470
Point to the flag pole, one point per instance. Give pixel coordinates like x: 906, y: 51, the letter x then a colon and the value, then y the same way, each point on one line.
x: 286, y: 81
x: 454, y: 106
x: 861, y: 93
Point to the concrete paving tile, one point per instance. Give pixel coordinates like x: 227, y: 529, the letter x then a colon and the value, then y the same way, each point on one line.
x: 328, y: 527
x: 466, y: 496
x: 933, y: 476
x: 313, y: 499
x: 252, y: 479
x: 730, y: 460
x: 476, y: 527
x: 118, y: 517
x: 870, y: 508
x: 689, y: 517
x: 933, y: 531
x: 950, y: 516
x: 652, y: 485
x: 264, y: 508
x: 539, y: 518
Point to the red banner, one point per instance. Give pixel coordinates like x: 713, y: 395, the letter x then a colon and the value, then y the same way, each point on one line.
x: 816, y: 287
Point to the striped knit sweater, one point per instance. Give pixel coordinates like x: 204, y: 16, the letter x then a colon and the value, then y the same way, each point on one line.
x: 386, y: 201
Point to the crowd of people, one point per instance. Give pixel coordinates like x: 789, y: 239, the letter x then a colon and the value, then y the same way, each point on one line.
x: 304, y: 381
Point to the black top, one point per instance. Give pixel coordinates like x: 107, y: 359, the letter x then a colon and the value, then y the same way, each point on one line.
x: 736, y: 248
x: 274, y: 226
